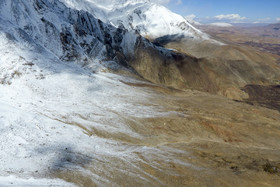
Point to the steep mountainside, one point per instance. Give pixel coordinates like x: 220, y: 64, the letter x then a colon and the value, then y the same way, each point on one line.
x: 71, y: 35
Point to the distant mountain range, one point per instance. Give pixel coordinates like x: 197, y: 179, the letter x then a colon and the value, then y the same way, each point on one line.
x: 264, y: 38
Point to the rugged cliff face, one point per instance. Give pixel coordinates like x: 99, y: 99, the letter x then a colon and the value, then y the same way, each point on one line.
x: 70, y: 35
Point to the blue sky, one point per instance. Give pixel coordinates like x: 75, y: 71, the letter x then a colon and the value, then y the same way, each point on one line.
x: 231, y: 11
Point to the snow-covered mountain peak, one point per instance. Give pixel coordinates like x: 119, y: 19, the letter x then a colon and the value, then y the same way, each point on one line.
x: 147, y: 18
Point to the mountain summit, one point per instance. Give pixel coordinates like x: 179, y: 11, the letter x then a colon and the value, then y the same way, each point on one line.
x: 149, y: 19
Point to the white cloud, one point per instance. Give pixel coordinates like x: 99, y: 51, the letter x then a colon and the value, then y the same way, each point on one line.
x: 233, y: 17
x: 277, y: 19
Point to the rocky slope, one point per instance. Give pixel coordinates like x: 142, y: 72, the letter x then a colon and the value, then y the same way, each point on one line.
x: 67, y: 34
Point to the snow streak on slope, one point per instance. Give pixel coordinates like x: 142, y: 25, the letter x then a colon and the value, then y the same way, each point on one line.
x: 147, y: 18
